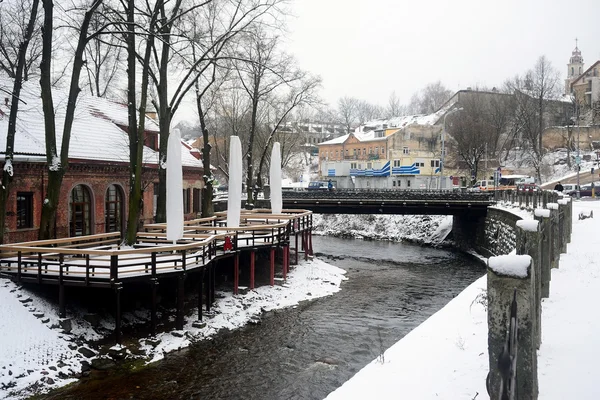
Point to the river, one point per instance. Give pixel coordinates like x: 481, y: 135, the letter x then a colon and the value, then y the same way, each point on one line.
x: 308, y: 351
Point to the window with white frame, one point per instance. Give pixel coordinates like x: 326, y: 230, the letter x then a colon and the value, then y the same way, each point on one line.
x: 405, y: 150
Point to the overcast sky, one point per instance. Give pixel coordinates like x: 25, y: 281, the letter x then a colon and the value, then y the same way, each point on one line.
x: 369, y: 48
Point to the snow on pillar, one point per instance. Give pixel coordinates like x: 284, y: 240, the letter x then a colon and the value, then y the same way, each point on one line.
x: 528, y: 243
x: 554, y: 245
x: 562, y: 224
x: 506, y: 275
x: 543, y: 217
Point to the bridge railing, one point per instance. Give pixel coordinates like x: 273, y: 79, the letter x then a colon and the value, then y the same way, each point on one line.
x: 391, y: 194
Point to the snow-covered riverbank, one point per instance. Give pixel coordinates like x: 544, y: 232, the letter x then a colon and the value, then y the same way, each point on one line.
x: 423, y: 229
x: 40, y: 352
x: 446, y: 357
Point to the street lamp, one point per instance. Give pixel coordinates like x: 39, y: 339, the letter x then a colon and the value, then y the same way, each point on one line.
x: 578, y: 159
x: 442, y: 180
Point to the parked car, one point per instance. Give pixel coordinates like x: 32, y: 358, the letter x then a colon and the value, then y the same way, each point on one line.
x: 482, y: 185
x: 528, y: 187
x: 569, y: 187
x: 585, y: 191
x: 317, y: 185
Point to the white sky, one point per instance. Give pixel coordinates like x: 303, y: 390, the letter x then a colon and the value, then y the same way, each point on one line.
x: 369, y: 48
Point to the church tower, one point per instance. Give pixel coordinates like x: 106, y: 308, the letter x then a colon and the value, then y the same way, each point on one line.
x: 574, y: 68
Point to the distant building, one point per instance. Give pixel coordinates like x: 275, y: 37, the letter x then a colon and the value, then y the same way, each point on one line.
x: 402, y: 153
x: 95, y: 191
x: 583, y: 84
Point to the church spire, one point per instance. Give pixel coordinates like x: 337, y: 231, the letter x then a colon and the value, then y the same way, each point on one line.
x: 576, y: 54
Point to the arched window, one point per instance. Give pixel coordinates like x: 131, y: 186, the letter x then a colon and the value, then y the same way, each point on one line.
x: 113, y: 209
x: 80, y: 217
x: 572, y: 71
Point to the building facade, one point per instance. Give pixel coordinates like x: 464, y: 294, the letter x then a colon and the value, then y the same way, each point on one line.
x: 400, y: 153
x: 95, y: 191
x: 583, y: 84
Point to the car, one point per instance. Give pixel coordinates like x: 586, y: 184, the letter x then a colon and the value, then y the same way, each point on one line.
x: 317, y: 185
x: 528, y: 187
x: 585, y: 191
x: 569, y: 187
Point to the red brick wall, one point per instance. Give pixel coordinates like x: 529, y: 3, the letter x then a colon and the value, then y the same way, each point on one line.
x: 31, y: 177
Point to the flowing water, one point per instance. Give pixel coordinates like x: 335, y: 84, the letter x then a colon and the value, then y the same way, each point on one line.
x: 308, y: 351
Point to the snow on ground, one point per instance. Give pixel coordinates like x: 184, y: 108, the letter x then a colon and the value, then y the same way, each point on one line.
x: 446, y: 356
x: 36, y: 351
x: 415, y: 228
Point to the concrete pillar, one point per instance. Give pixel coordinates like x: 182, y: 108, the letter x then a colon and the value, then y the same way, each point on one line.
x: 506, y: 275
x: 562, y: 224
x: 544, y: 198
x: 527, y: 242
x: 543, y: 217
x: 554, y: 244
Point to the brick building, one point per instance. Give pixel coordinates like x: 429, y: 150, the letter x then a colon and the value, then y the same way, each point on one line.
x: 95, y: 189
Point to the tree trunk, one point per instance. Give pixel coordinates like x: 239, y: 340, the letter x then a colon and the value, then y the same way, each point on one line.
x: 7, y: 173
x: 249, y: 156
x: 50, y: 203
x: 136, y: 132
x: 58, y: 169
x: 208, y: 209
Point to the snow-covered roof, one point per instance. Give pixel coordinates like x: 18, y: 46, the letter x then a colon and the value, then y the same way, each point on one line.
x: 361, y: 136
x: 97, y: 132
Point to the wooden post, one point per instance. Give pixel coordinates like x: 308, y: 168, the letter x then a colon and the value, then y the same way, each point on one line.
x: 286, y: 260
x: 19, y: 267
x: 200, y: 295
x: 153, y: 320
x: 252, y: 256
x: 236, y: 273
x: 208, y: 278
x: 118, y: 314
x: 296, y: 249
x: 61, y: 293
x: 272, y: 274
x: 310, y: 248
x: 180, y: 301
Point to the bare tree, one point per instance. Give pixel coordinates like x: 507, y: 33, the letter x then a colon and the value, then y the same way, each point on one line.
x: 103, y: 57
x: 366, y: 111
x: 263, y: 72
x: 224, y: 21
x: 430, y: 98
x: 300, y: 92
x: 348, y: 112
x: 394, y: 107
x: 57, y: 165
x: 15, y: 21
x: 533, y: 95
x: 477, y: 129
x: 20, y: 64
x: 137, y: 122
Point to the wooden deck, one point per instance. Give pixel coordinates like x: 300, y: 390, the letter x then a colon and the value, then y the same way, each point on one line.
x: 103, y: 261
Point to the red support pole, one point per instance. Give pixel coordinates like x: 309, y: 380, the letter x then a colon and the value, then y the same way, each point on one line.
x: 272, y: 266
x: 286, y: 260
x: 236, y: 273
x: 252, y: 270
x: 296, y: 249
x: 305, y: 244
